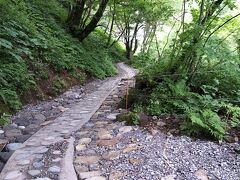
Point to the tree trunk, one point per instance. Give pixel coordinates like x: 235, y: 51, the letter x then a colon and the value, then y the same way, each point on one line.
x: 93, y: 23
x: 75, y: 15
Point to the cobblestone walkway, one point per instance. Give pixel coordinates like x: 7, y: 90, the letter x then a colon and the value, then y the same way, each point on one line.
x: 106, y: 149
x: 48, y: 153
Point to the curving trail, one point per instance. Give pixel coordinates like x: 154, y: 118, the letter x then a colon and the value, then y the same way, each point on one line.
x: 48, y: 153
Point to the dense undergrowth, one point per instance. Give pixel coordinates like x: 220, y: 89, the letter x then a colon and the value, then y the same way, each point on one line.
x: 196, y: 79
x: 39, y: 58
x: 208, y: 105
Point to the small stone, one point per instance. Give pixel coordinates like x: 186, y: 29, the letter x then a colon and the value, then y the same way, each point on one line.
x: 96, y: 178
x: 42, y: 149
x: 81, y: 133
x: 169, y: 177
x: 87, y: 159
x: 24, y: 162
x: 80, y: 168
x: 103, y: 134
x: 149, y: 137
x: 62, y: 109
x: 112, y: 116
x: 46, y: 143
x: 135, y: 161
x: 39, y: 118
x: 201, y: 174
x: 80, y: 147
x: 14, y: 125
x: 236, y: 139
x: 110, y: 142
x: 160, y: 123
x: 13, y: 133
x: 44, y: 178
x: 57, y: 160
x: 154, y: 117
x: 115, y: 175
x: 14, y: 146
x: 93, y: 167
x: 54, y: 169
x: 85, y: 141
x: 57, y: 152
x: 34, y: 172
x: 21, y: 127
x: 13, y: 175
x: 1, y: 131
x: 111, y: 155
x: 129, y: 148
x: 125, y: 129
x: 22, y: 138
x: 22, y: 156
x: 38, y: 164
x: 153, y: 132
x: 86, y: 175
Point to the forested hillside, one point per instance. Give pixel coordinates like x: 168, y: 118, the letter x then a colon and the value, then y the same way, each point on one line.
x: 187, y: 54
x: 39, y: 56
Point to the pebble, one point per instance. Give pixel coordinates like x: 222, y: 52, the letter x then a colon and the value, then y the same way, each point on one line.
x: 57, y: 152
x: 85, y: 141
x: 90, y: 174
x: 125, y: 129
x: 34, y: 172
x: 21, y: 127
x: 14, y: 146
x: 13, y: 175
x: 24, y: 162
x: 57, y: 159
x: 54, y: 169
x: 38, y: 164
x: 1, y: 131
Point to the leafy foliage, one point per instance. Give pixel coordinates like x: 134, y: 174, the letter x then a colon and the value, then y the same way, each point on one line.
x: 35, y: 49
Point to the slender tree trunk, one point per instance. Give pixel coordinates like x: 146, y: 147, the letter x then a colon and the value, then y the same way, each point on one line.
x: 112, y: 23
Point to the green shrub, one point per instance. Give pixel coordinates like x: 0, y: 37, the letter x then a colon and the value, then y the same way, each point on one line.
x: 58, y: 86
x: 201, y: 113
x: 34, y: 45
x: 4, y: 119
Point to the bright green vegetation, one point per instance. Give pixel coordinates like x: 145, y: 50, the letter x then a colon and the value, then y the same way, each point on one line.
x: 194, y: 73
x: 38, y: 56
x: 188, y: 54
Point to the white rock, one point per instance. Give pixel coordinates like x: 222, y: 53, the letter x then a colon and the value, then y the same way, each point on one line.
x: 21, y: 127
x: 96, y: 178
x: 13, y: 175
x: 87, y: 175
x: 14, y: 146
x: 125, y: 129
x: 169, y: 177
x: 112, y: 116
x: 201, y: 174
x: 54, y: 169
x: 34, y: 172
x: 1, y: 131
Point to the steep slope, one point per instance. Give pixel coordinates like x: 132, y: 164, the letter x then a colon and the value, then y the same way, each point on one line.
x: 39, y: 58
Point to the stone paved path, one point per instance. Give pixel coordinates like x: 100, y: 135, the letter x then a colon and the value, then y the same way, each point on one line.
x: 47, y: 154
x: 106, y: 149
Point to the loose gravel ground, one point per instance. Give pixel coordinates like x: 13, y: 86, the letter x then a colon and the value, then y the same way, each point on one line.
x: 107, y: 149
